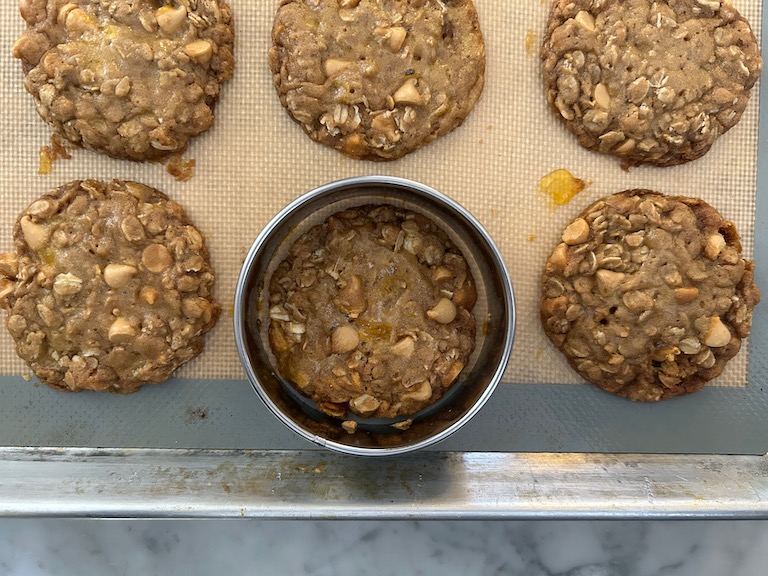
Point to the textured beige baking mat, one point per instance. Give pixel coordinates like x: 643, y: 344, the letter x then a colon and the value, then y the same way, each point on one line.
x: 255, y: 160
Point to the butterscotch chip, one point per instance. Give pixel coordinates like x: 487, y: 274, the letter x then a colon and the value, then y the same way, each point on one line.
x: 655, y: 300
x: 358, y: 322
x: 377, y: 79
x: 133, y: 80
x: 650, y: 81
x: 94, y: 305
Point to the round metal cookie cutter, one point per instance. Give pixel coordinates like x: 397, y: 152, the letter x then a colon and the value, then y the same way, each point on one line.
x: 494, y: 314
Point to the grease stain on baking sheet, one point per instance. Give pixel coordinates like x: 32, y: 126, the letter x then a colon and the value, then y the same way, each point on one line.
x: 197, y: 414
x: 560, y: 186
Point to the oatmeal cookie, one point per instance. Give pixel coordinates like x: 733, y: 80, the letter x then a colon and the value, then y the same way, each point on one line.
x: 647, y: 295
x: 133, y: 79
x: 650, y: 81
x: 371, y: 312
x: 109, y: 288
x: 377, y: 79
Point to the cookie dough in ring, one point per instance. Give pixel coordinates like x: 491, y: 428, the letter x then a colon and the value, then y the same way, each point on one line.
x: 371, y: 312
x: 649, y: 81
x: 377, y: 79
x: 647, y: 295
x: 109, y: 288
x: 134, y: 79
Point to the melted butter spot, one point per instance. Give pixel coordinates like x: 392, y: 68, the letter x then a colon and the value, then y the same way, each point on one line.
x: 531, y: 43
x: 111, y: 32
x: 372, y: 331
x: 561, y: 186
x: 46, y: 162
x: 47, y: 255
x: 49, y: 154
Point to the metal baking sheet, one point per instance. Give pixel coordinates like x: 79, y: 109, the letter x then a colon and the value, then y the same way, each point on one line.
x: 210, y: 448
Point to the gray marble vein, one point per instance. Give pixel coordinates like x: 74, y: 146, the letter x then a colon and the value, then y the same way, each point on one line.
x: 203, y: 548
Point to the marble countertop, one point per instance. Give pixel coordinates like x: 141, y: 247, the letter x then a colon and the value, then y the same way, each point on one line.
x: 292, y: 548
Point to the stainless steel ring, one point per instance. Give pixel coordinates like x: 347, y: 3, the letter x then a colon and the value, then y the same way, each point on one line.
x: 495, y: 313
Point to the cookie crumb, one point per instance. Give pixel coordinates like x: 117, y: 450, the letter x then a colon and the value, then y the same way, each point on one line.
x: 181, y: 170
x: 49, y: 154
x: 350, y: 426
x: 404, y: 425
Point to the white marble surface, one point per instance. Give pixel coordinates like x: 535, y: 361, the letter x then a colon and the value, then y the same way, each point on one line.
x: 203, y: 548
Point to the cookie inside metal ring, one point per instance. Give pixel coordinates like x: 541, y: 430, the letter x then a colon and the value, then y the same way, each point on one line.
x: 371, y: 314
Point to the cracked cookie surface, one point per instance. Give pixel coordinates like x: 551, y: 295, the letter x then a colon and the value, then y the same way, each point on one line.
x: 371, y: 312
x: 109, y: 288
x: 647, y: 295
x: 649, y: 81
x: 377, y: 79
x: 134, y: 79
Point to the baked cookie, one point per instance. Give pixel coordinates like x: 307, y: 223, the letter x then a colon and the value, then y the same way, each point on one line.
x: 133, y: 79
x: 377, y: 79
x: 650, y: 81
x: 371, y: 312
x: 647, y: 295
x: 109, y: 289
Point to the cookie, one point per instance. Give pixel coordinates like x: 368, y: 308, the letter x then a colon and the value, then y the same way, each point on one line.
x: 649, y: 81
x: 109, y: 288
x: 131, y: 79
x: 647, y: 295
x: 377, y: 79
x: 371, y: 313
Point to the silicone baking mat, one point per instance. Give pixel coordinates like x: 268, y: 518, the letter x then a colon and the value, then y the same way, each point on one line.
x: 256, y: 159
